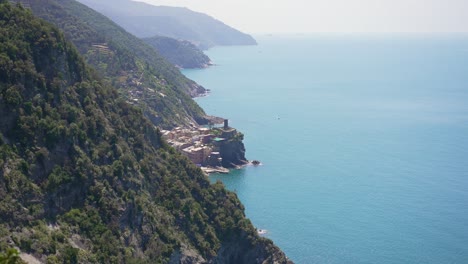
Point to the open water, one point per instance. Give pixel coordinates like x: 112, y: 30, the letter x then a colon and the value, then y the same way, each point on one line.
x: 363, y: 140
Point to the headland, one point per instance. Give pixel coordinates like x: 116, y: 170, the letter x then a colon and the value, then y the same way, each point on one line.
x: 214, y: 148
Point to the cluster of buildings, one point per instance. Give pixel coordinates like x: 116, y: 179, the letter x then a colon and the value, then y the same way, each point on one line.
x: 199, y: 144
x: 135, y: 95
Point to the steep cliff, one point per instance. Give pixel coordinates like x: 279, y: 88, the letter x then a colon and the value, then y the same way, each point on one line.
x: 85, y: 178
x: 232, y: 150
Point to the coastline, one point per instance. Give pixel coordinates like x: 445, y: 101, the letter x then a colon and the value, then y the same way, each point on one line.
x: 222, y: 170
x: 360, y: 159
x: 211, y: 120
x: 213, y: 148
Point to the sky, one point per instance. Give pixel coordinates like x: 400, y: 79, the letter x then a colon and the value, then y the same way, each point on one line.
x: 349, y: 16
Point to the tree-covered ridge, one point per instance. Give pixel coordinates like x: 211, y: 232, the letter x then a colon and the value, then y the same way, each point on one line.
x: 142, y: 76
x: 145, y: 20
x: 181, y: 53
x: 85, y: 178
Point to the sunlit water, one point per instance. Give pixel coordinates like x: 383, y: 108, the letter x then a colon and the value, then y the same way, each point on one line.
x: 364, y: 141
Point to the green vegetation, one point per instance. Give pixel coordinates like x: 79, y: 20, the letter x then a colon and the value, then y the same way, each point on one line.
x: 11, y: 256
x: 141, y: 75
x: 179, y: 52
x: 86, y: 178
x: 145, y: 20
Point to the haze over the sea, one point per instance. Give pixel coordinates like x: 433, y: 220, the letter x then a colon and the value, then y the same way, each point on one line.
x: 305, y: 16
x: 364, y: 141
x: 363, y: 133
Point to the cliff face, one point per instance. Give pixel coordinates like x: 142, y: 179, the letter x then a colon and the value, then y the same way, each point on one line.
x: 263, y: 252
x: 233, y: 153
x: 85, y: 178
x: 232, y: 149
x: 236, y: 249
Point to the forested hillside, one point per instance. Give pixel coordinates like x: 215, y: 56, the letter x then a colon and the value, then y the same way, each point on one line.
x: 141, y: 75
x: 86, y: 178
x: 145, y: 20
x: 181, y: 53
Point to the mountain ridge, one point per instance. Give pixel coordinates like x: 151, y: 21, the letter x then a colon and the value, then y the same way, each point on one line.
x: 141, y: 74
x: 86, y: 178
x: 181, y: 53
x: 146, y: 20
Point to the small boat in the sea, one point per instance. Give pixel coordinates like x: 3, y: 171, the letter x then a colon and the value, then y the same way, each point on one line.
x: 261, y: 231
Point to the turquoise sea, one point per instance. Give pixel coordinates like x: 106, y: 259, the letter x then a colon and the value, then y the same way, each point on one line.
x: 363, y: 140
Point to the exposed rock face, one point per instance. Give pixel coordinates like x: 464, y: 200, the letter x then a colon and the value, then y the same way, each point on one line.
x: 233, y: 151
x: 186, y: 256
x: 197, y: 90
x: 235, y: 252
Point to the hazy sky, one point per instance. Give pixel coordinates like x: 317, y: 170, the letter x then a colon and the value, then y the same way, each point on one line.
x: 303, y: 16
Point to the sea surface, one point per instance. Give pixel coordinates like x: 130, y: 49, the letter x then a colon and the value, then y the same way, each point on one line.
x: 363, y: 140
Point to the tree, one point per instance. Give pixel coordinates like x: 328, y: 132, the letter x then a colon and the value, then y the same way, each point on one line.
x: 11, y: 256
